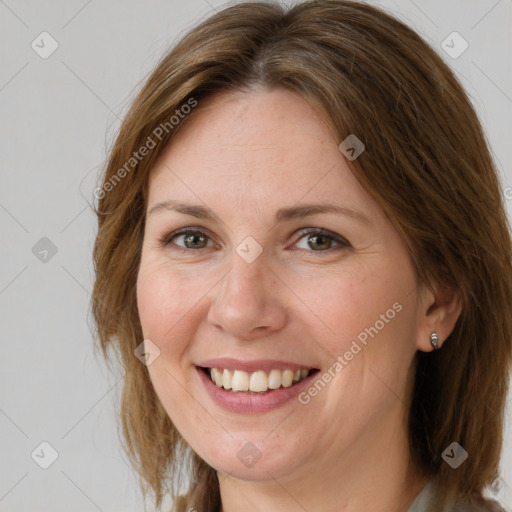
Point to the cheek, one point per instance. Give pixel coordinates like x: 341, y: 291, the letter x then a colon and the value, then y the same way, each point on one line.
x: 371, y: 305
x: 365, y: 323
x: 164, y: 300
x: 166, y: 310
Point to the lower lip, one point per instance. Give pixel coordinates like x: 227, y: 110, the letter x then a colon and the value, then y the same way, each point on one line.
x: 243, y: 403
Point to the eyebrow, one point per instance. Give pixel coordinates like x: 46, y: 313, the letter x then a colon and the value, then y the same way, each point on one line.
x: 282, y: 215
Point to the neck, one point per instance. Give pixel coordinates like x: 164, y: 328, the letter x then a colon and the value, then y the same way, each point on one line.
x: 375, y: 475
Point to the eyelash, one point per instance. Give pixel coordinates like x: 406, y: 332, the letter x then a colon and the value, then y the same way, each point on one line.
x: 165, y: 241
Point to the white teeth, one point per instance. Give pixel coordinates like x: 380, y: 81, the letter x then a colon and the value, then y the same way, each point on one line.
x: 227, y: 378
x: 274, y: 379
x: 240, y: 381
x: 259, y: 381
x: 217, y: 378
x: 287, y: 378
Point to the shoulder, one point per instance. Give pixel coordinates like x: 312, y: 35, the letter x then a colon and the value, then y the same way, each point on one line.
x: 492, y: 506
x: 423, y: 501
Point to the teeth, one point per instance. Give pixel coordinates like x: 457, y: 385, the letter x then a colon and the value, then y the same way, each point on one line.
x: 240, y: 381
x: 227, y: 378
x: 287, y: 378
x: 274, y: 379
x: 257, y: 382
x: 216, y: 377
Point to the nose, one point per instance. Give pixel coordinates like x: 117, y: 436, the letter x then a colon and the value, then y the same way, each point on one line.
x: 248, y: 303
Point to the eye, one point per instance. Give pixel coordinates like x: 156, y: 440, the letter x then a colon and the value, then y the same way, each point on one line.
x: 322, y: 239
x: 318, y: 239
x: 192, y: 239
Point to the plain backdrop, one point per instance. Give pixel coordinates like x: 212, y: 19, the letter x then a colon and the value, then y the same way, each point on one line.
x: 58, y: 115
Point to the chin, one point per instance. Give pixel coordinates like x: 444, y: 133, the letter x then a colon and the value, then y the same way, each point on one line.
x: 252, y: 457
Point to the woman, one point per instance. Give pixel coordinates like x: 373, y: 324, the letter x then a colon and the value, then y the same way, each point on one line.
x: 304, y: 262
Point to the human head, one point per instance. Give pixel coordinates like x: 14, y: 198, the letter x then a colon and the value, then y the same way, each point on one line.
x: 426, y: 164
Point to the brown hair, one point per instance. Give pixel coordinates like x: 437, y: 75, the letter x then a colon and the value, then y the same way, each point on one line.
x: 426, y: 162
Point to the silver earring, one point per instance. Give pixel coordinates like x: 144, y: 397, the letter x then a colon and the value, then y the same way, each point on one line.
x: 433, y: 340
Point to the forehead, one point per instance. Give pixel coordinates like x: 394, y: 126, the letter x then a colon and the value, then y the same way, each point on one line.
x: 256, y: 148
x: 260, y: 122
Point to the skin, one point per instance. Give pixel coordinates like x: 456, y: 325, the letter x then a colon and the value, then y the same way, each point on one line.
x: 245, y: 155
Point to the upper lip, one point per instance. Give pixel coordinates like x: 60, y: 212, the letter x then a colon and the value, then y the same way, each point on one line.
x: 253, y: 365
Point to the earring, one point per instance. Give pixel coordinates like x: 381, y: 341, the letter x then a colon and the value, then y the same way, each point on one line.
x: 433, y: 340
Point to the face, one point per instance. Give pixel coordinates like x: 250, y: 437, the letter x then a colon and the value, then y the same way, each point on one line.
x: 238, y: 274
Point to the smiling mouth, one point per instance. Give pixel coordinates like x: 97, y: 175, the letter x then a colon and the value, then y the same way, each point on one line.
x: 258, y: 382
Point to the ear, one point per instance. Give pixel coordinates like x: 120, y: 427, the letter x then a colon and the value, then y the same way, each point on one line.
x: 439, y: 310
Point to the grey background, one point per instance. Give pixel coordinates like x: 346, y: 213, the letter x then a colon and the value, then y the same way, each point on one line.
x: 58, y: 116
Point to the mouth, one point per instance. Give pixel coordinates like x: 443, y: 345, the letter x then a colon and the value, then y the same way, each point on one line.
x: 259, y: 382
